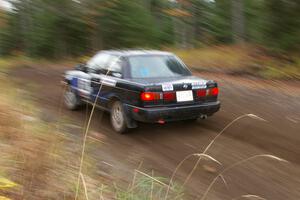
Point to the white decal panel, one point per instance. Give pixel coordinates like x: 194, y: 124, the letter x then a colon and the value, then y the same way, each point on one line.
x: 199, y: 85
x: 84, y: 86
x: 167, y: 87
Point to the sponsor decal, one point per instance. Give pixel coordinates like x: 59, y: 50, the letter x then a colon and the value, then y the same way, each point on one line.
x: 84, y: 84
x: 84, y: 87
x: 167, y: 87
x: 199, y: 85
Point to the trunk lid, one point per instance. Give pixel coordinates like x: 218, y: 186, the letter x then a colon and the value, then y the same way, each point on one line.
x: 176, y: 91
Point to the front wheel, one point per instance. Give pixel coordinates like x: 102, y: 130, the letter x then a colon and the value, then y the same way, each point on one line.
x: 118, y: 117
x: 71, y: 99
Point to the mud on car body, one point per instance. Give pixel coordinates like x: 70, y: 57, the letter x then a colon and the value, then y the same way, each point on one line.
x: 141, y: 86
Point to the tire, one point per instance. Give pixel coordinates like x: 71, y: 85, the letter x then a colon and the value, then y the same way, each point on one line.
x: 118, y: 118
x: 71, y: 99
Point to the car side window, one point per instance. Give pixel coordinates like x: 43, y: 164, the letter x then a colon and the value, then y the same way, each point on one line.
x: 115, y: 67
x: 99, y: 63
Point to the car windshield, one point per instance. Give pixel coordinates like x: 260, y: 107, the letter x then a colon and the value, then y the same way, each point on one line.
x: 156, y: 66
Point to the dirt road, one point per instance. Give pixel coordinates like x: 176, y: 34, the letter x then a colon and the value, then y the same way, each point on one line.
x: 162, y: 147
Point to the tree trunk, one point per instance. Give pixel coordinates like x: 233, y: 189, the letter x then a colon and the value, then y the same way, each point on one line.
x: 25, y: 22
x: 238, y: 21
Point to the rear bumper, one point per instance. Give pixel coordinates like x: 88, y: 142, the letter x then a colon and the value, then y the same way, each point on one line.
x: 172, y: 113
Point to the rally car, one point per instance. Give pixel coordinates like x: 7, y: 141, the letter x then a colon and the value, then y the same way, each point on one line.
x: 140, y: 86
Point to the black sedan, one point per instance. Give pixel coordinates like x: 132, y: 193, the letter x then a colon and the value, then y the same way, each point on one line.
x: 141, y: 86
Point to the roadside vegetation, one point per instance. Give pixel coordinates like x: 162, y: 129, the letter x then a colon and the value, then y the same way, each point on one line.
x: 33, y: 152
x: 242, y: 60
x: 237, y: 60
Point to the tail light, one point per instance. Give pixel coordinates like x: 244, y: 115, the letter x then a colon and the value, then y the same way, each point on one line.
x: 169, y: 96
x: 213, y: 91
x: 208, y: 92
x: 201, y: 93
x: 153, y: 96
x: 150, y: 96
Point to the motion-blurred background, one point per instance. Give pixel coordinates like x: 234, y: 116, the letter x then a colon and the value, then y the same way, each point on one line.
x: 56, y: 28
x: 250, y: 47
x: 266, y: 31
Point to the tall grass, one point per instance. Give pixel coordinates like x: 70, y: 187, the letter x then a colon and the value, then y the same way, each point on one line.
x: 236, y: 165
x: 84, y: 142
x: 87, y: 130
x: 206, y: 149
x: 32, y: 153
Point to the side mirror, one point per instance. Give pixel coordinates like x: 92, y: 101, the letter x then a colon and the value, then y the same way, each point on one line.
x: 116, y: 74
x: 81, y: 67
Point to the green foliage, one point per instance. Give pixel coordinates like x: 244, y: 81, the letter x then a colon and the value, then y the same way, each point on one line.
x: 282, y: 24
x: 43, y: 28
x: 58, y: 28
x: 129, y: 24
x: 254, y: 21
x: 9, y: 35
x: 220, y: 21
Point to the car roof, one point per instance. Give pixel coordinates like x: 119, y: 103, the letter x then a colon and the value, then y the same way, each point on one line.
x: 128, y: 53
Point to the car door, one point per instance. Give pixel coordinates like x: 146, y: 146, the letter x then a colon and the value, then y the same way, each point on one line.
x: 104, y: 76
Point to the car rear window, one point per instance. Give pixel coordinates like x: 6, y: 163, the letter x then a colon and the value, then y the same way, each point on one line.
x: 156, y: 66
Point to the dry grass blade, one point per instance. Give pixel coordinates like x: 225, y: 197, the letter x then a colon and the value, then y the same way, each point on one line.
x: 131, y: 186
x: 250, y: 196
x: 60, y: 109
x: 200, y: 155
x: 208, y: 157
x: 84, y: 186
x: 216, y: 137
x: 88, y: 127
x: 85, y: 138
x: 152, y: 178
x: 224, y: 181
x: 240, y: 163
x: 84, y: 142
x: 230, y: 124
x: 254, y: 157
x: 101, y: 192
x: 256, y: 117
x: 152, y: 187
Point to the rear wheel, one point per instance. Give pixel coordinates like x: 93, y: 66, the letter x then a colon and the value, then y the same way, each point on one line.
x: 71, y: 99
x: 118, y: 117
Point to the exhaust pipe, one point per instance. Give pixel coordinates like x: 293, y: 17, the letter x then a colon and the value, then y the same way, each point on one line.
x: 203, y: 116
x: 161, y: 121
